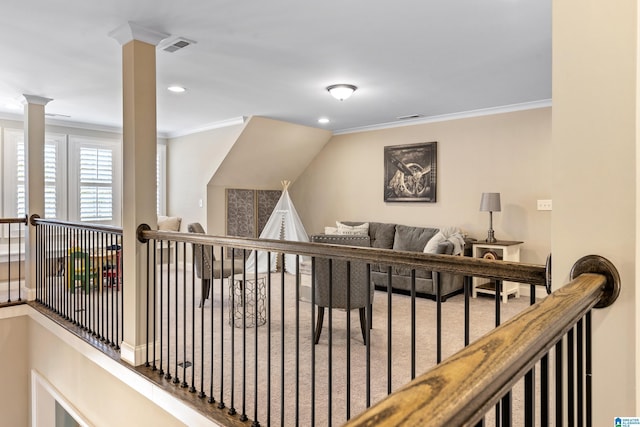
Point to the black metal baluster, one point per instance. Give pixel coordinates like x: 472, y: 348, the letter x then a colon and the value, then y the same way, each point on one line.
x: 544, y: 390
x: 588, y: 371
x: 368, y: 343
x: 192, y: 389
x: 255, y: 336
x: 389, y: 330
x: 413, y: 324
x: 269, y: 346
x: 167, y: 375
x: 348, y: 371
x: 233, y: 272
x: 201, y: 393
x: 155, y: 287
x: 467, y: 309
x: 438, y: 317
x: 506, y: 410
x: 498, y: 294
x: 212, y: 399
x: 559, y: 386
x: 330, y: 345
x: 146, y: 350
x: 176, y: 379
x: 580, y: 374
x: 184, y: 383
x: 298, y: 284
x: 313, y: 347
x: 570, y: 378
x: 161, y: 305
x: 243, y: 415
x: 232, y: 409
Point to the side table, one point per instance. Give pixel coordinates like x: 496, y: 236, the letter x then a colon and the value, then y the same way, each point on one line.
x: 504, y: 250
x: 246, y: 308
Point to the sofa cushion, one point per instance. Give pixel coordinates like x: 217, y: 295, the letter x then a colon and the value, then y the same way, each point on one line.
x: 353, y: 230
x: 382, y: 235
x: 414, y: 239
x: 406, y: 271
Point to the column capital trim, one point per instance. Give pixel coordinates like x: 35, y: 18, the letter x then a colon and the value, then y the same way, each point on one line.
x: 35, y: 99
x: 130, y: 31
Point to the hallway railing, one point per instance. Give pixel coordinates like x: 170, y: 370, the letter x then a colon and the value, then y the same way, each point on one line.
x: 12, y: 235
x: 79, y: 275
x: 244, y: 345
x: 462, y: 389
x: 274, y: 373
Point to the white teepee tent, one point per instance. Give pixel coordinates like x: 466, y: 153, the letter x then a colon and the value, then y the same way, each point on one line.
x: 283, y: 224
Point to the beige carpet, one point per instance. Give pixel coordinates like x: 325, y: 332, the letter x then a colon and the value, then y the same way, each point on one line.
x: 330, y: 390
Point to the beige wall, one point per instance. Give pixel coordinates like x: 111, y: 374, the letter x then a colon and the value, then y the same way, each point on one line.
x: 508, y: 153
x: 191, y: 162
x: 14, y: 394
x: 257, y: 155
x: 595, y: 155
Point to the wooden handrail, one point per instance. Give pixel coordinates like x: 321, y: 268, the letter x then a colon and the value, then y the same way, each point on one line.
x: 22, y: 220
x: 36, y: 220
x: 460, y: 390
x: 477, y: 267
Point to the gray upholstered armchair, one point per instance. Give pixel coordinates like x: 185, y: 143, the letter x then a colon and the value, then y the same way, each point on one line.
x: 362, y: 289
x: 206, y: 265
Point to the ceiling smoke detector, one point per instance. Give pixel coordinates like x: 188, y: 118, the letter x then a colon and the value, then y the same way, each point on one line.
x: 176, y: 44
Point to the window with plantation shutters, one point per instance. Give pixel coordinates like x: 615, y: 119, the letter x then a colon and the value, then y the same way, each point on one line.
x: 161, y: 155
x: 94, y: 180
x: 96, y: 184
x: 20, y: 186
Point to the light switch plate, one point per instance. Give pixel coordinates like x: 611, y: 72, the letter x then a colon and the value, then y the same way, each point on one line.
x: 544, y: 205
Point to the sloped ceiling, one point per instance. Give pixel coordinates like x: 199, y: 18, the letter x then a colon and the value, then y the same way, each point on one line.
x: 267, y: 152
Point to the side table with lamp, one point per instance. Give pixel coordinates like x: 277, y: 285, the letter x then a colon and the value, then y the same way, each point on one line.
x: 493, y: 249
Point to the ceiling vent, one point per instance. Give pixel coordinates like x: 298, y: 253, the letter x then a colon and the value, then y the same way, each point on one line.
x: 176, y: 44
x: 410, y: 116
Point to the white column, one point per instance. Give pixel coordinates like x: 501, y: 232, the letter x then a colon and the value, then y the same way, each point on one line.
x: 139, y: 173
x: 595, y: 180
x: 34, y: 179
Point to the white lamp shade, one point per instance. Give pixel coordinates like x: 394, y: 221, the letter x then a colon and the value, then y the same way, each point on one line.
x: 341, y: 91
x: 490, y: 202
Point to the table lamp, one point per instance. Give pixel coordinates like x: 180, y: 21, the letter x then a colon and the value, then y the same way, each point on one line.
x: 490, y: 202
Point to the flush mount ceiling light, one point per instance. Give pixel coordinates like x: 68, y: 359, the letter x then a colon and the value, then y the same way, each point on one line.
x: 176, y: 89
x: 323, y: 120
x: 341, y: 91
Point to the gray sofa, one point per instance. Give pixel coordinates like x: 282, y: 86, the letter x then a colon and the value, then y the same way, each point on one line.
x: 407, y: 238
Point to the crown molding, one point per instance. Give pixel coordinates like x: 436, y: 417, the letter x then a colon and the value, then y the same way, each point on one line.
x: 453, y: 116
x: 131, y: 31
x: 215, y: 125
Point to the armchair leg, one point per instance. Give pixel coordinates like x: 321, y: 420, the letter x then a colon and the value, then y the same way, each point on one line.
x: 206, y: 284
x: 363, y: 323
x: 319, y: 322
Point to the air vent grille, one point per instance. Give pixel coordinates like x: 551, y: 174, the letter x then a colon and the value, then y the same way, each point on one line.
x: 176, y: 44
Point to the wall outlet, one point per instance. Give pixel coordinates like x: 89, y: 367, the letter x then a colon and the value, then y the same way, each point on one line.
x: 544, y: 205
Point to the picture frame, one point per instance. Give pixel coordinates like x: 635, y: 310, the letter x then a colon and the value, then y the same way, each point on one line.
x: 410, y: 173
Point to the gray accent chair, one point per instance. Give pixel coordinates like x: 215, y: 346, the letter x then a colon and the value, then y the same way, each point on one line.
x: 207, y: 266
x: 335, y: 275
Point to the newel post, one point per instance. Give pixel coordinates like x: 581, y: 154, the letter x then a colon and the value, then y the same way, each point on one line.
x: 599, y: 265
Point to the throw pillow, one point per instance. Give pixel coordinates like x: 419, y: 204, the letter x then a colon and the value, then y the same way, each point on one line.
x: 432, y: 245
x: 169, y: 223
x: 413, y: 239
x: 353, y: 230
x: 331, y: 230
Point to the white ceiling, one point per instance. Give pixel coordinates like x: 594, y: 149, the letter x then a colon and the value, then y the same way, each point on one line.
x: 274, y: 58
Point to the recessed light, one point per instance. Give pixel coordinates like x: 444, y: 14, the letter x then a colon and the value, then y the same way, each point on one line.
x: 323, y: 120
x: 176, y: 89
